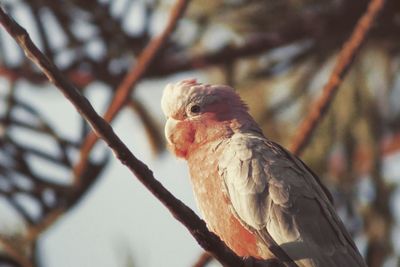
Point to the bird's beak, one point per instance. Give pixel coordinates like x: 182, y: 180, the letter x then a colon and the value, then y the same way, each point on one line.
x: 170, y: 126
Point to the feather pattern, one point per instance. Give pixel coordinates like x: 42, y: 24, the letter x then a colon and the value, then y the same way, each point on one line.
x: 272, y: 192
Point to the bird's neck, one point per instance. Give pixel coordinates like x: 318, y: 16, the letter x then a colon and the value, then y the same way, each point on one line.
x: 212, y: 132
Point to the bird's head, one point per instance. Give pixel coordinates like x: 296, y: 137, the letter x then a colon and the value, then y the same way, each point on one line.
x: 199, y: 113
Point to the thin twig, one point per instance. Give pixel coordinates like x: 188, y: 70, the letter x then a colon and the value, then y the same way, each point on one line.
x: 156, y: 140
x: 16, y: 255
x: 208, y: 240
x: 126, y: 87
x: 342, y: 66
x: 297, y: 92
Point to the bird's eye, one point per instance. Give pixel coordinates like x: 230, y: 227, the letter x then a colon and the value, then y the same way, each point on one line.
x: 195, y: 109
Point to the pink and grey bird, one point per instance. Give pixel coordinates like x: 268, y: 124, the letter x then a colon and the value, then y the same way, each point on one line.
x: 249, y: 188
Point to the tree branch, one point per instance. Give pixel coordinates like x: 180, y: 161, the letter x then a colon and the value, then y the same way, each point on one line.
x: 341, y: 68
x: 208, y: 240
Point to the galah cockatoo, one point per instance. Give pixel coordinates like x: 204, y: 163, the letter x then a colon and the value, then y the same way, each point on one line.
x: 249, y: 188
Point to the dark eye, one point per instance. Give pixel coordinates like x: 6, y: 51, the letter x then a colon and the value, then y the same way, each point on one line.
x: 195, y: 109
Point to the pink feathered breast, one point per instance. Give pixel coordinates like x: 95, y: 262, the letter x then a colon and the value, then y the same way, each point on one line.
x: 215, y: 205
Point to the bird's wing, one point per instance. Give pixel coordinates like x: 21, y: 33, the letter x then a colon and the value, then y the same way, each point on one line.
x: 274, y: 194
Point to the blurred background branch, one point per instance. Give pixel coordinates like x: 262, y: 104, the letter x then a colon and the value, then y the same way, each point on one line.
x: 125, y: 89
x: 342, y: 66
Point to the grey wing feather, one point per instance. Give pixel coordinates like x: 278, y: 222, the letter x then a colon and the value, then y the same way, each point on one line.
x: 274, y: 193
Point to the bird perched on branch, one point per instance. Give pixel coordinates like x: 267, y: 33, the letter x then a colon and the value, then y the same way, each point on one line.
x: 261, y: 200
